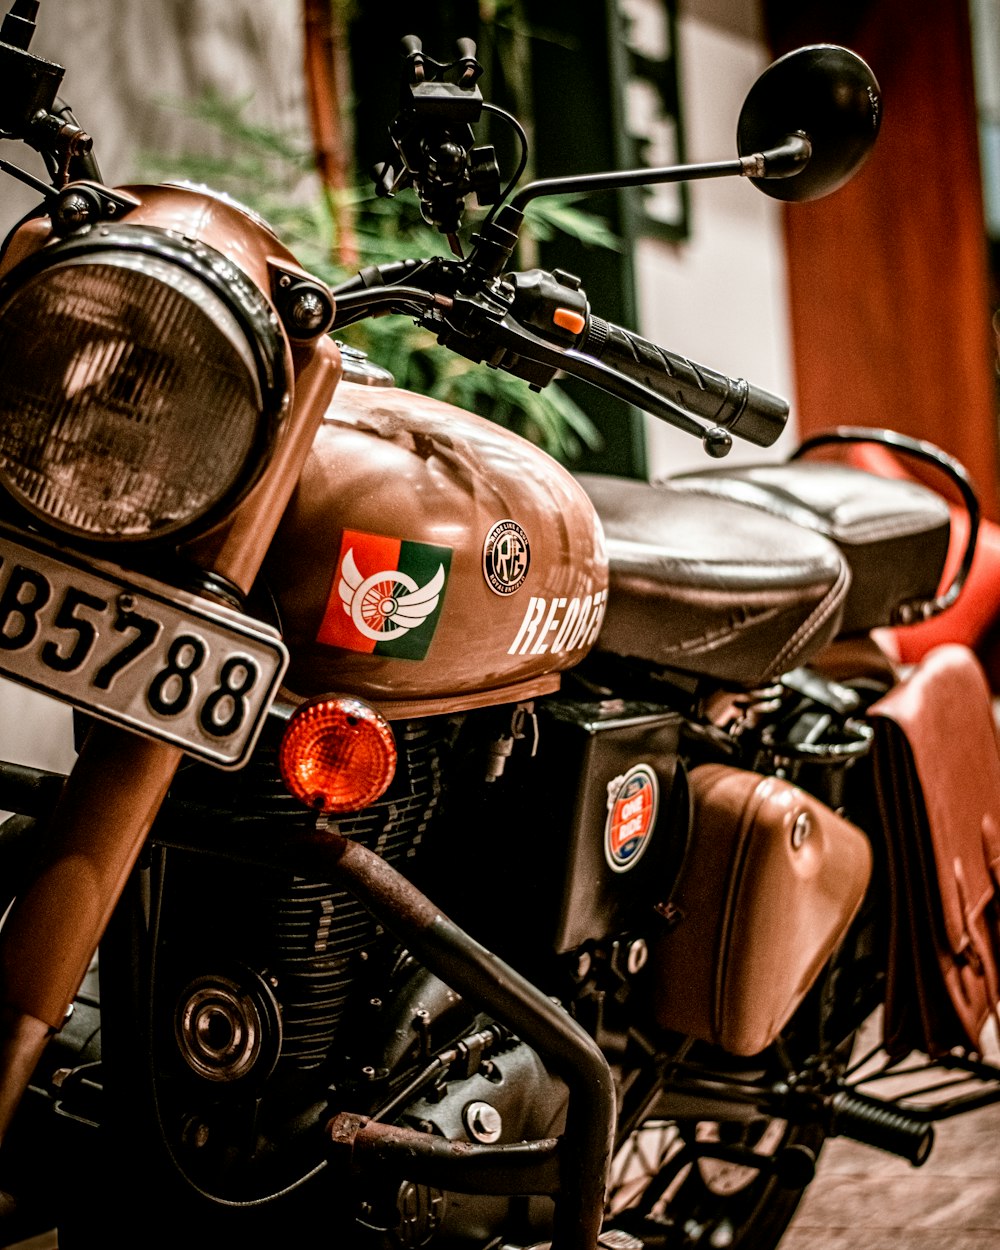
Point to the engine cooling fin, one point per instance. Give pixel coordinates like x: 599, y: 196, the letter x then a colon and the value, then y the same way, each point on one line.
x: 309, y: 936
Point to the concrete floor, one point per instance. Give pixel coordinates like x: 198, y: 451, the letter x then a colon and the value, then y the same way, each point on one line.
x: 864, y: 1199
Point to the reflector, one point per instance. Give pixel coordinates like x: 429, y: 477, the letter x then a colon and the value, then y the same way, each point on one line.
x: 337, y: 754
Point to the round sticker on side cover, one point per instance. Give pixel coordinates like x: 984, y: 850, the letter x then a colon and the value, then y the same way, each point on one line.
x: 632, y: 803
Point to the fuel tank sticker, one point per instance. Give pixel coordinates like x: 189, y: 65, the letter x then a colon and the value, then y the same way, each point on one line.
x: 386, y: 596
x: 557, y: 626
x: 632, y: 803
x: 506, y: 556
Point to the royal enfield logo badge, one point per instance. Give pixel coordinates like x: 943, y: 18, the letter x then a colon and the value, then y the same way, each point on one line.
x: 632, y: 803
x: 506, y: 556
x: 386, y: 596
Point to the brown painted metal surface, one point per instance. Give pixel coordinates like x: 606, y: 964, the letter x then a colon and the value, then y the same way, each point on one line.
x: 193, y: 213
x: 236, y: 548
x: 49, y: 937
x: 394, y: 466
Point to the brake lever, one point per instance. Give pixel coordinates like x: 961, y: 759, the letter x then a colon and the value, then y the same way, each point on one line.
x: 472, y: 314
x: 482, y: 329
x: 716, y: 441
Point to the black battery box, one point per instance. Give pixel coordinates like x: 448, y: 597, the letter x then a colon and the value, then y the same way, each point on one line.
x: 582, y: 833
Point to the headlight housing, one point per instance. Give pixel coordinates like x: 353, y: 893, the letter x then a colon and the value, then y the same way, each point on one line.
x: 142, y: 383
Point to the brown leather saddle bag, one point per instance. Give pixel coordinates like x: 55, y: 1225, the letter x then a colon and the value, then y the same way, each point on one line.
x: 937, y: 779
x: 769, y: 885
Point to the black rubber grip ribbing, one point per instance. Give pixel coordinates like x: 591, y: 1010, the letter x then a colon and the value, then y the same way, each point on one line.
x: 748, y: 411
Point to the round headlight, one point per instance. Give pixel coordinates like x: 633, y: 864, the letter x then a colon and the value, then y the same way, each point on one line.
x: 141, y: 383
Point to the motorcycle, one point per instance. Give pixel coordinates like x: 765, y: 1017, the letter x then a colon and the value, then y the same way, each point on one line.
x: 336, y: 651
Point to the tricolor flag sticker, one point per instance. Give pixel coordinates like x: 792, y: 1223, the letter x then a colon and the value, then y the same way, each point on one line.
x: 386, y: 596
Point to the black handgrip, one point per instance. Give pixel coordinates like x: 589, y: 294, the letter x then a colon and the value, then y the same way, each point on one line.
x: 733, y: 403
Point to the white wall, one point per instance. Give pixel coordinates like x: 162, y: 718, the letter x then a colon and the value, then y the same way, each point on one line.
x: 131, y: 66
x: 721, y: 296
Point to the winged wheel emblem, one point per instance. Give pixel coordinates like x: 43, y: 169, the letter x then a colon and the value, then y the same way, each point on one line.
x: 388, y: 604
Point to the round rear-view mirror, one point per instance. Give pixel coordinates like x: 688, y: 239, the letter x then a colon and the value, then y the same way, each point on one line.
x: 829, y: 95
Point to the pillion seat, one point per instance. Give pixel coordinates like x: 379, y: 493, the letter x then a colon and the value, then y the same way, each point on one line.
x: 893, y: 532
x: 713, y: 586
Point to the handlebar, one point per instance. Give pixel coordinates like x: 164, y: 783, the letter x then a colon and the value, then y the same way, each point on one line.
x: 536, y: 325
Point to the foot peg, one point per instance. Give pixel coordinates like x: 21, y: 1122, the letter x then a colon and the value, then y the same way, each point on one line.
x: 879, y: 1124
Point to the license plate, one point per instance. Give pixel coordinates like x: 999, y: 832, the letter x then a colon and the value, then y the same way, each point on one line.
x: 169, y: 665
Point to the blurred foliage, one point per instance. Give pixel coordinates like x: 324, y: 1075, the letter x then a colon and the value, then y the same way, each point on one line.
x: 273, y: 176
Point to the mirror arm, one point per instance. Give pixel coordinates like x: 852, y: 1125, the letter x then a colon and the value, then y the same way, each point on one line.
x: 585, y: 184
x: 780, y: 162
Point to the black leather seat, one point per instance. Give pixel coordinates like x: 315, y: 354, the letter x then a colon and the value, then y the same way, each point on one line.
x: 893, y: 532
x: 710, y: 586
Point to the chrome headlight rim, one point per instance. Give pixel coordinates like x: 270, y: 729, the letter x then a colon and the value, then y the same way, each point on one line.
x: 262, y: 332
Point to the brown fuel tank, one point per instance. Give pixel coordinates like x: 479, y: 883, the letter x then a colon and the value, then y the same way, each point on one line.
x: 431, y: 561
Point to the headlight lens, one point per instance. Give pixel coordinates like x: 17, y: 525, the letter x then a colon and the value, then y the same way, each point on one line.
x: 140, y: 385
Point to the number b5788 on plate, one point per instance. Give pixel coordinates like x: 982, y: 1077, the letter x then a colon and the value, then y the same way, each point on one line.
x: 154, y: 659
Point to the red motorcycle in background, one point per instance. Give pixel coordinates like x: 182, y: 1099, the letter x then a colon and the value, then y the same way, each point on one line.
x: 337, y: 650
x: 972, y: 620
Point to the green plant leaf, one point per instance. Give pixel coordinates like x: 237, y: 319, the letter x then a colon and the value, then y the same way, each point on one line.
x: 557, y: 214
x: 271, y: 175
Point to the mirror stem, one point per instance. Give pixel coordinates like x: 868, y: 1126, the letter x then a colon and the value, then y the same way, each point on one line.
x: 781, y: 162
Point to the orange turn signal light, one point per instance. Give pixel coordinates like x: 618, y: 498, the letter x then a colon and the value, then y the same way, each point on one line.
x: 337, y: 754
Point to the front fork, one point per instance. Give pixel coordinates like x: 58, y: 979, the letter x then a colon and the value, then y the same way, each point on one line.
x: 115, y: 790
x: 98, y: 828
